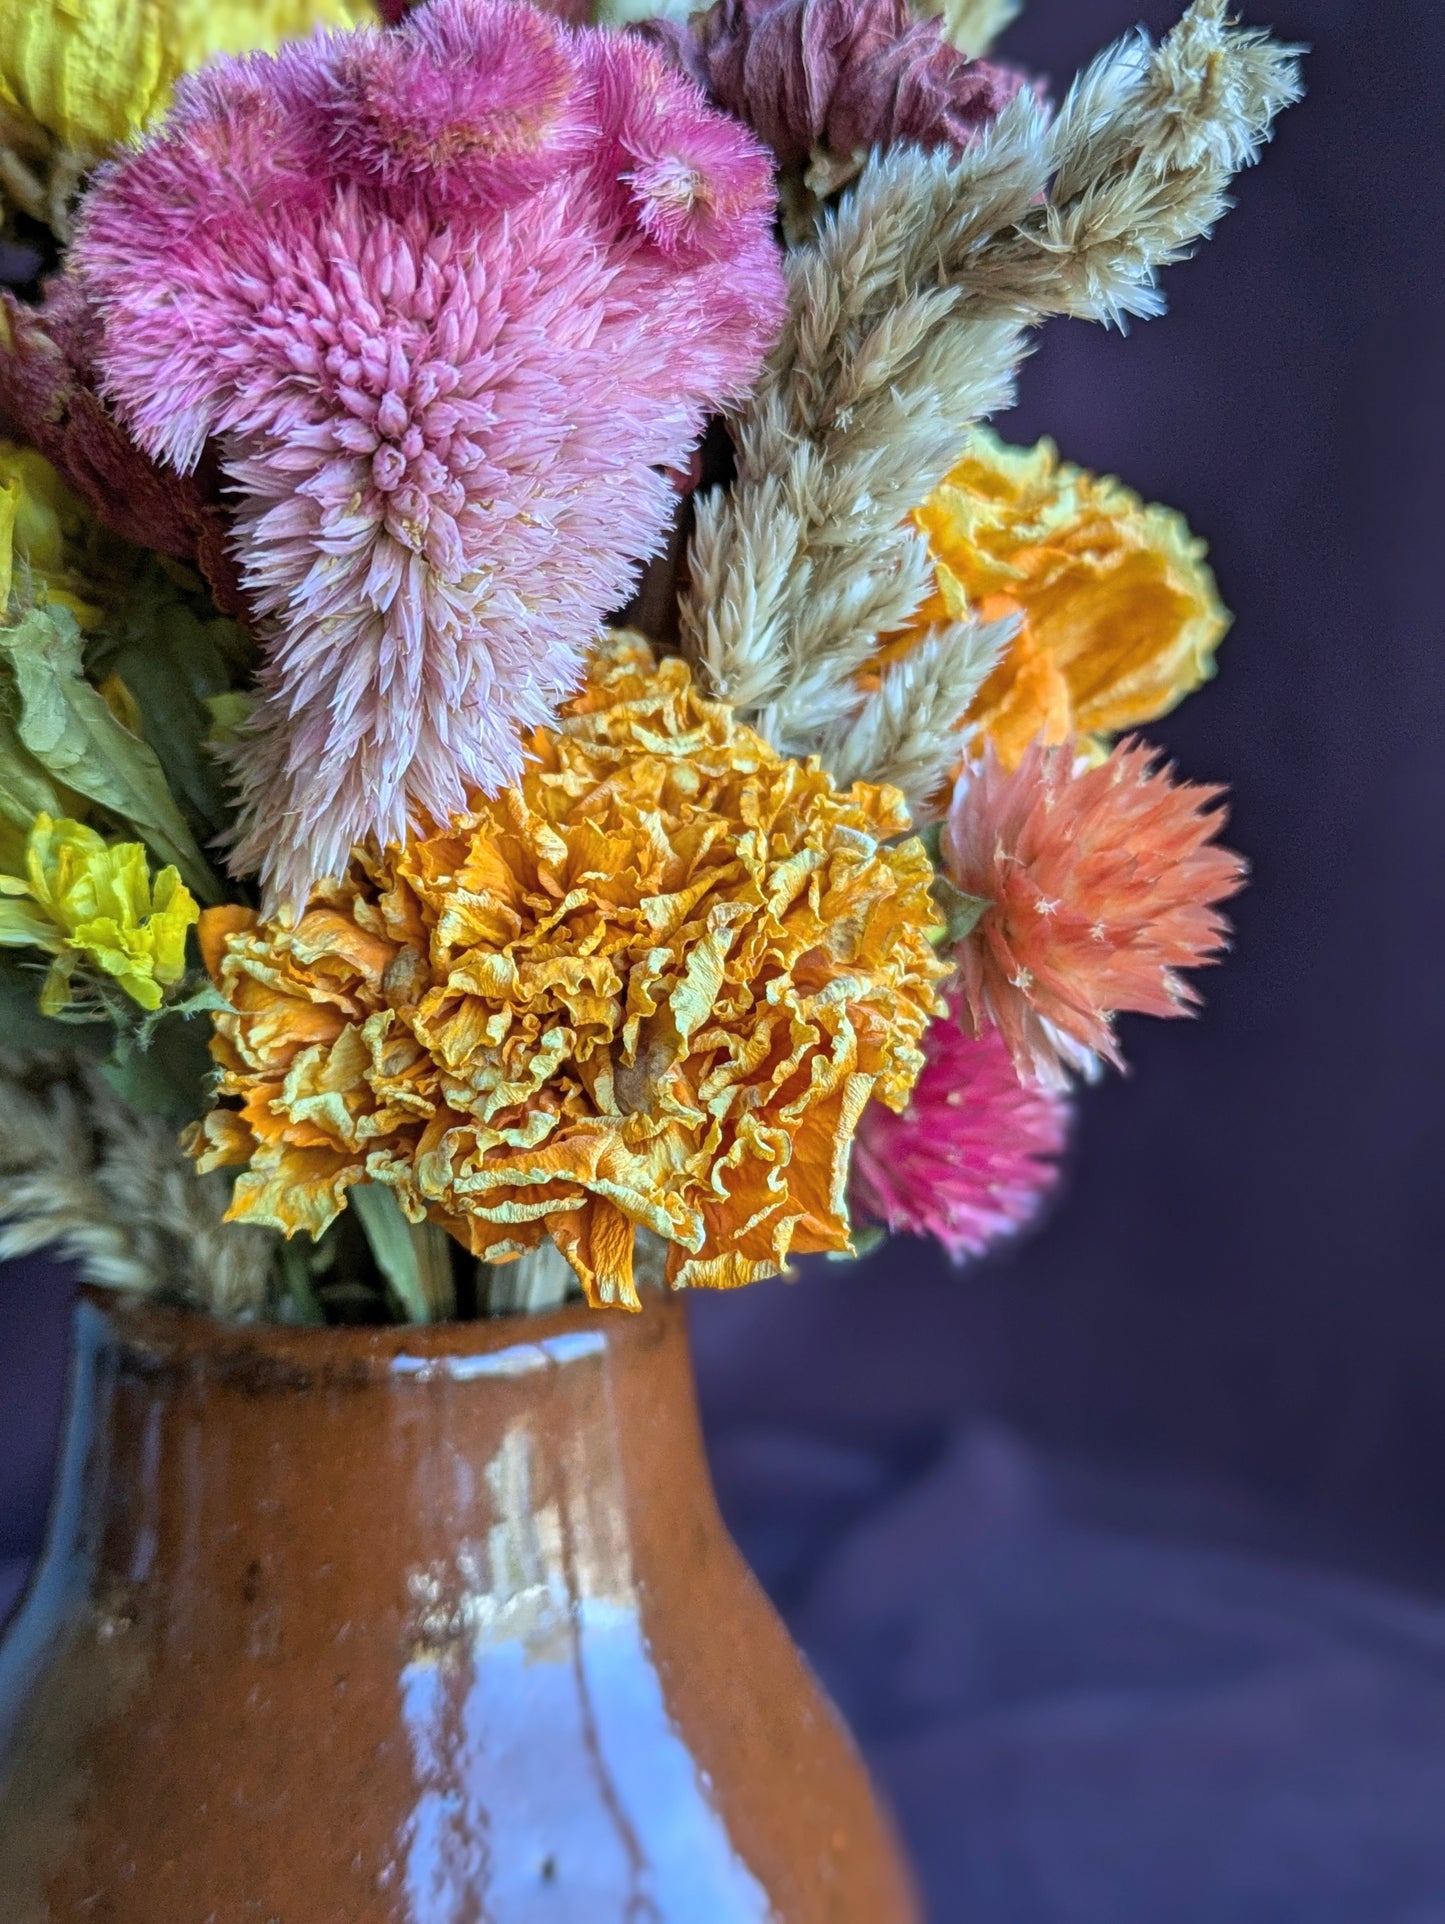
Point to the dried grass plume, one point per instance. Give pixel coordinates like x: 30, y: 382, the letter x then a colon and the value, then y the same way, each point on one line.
x: 85, y: 1175
x: 907, y: 319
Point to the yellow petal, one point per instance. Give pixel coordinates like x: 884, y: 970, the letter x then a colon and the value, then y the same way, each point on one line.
x: 97, y: 898
x: 1121, y: 617
x: 91, y: 73
x: 56, y: 992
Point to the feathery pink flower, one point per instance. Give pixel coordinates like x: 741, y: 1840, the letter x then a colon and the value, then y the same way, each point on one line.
x: 1102, y: 882
x: 846, y: 75
x: 971, y: 1157
x: 451, y: 297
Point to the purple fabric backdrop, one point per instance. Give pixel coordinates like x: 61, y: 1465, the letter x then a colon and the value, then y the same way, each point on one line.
x: 1096, y: 1543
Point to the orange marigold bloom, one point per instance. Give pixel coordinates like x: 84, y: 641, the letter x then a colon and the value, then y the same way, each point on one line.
x: 655, y: 983
x: 1121, y: 616
x: 1101, y: 882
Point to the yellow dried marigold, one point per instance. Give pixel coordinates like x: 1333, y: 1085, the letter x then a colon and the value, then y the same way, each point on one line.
x: 94, y: 72
x: 654, y: 984
x: 1121, y: 616
x: 94, y: 904
x: 77, y: 78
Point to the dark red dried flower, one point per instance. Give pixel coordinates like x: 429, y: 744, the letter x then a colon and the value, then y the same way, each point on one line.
x: 49, y: 399
x: 577, y: 13
x: 846, y: 75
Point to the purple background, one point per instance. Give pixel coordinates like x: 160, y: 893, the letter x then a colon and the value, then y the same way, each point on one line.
x: 1122, y: 1551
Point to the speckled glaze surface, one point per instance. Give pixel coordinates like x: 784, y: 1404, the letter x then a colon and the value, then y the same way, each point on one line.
x: 414, y: 1626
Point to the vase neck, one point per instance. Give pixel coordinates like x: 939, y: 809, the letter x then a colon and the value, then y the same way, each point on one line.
x: 487, y: 1467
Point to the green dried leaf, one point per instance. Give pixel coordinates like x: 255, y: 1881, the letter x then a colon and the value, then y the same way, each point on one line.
x: 162, y: 1063
x: 25, y: 789
x: 66, y: 726
x: 931, y: 836
x: 22, y: 926
x: 415, y: 1258
x: 229, y: 714
x: 302, y: 1304
x: 960, y: 913
x: 177, y: 662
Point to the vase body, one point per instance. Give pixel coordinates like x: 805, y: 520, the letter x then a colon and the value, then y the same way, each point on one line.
x: 419, y: 1626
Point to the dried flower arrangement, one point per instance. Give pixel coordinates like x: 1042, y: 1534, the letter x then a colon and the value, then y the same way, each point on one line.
x: 543, y: 744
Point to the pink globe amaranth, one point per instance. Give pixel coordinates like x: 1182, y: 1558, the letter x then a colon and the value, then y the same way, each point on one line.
x: 972, y: 1156
x: 448, y: 297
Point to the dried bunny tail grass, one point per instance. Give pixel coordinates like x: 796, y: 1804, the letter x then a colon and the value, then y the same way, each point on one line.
x: 906, y: 732
x: 1141, y: 155
x: 907, y: 321
x: 798, y: 569
x: 83, y: 1173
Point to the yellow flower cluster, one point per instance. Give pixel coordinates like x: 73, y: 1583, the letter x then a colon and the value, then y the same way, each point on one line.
x: 79, y: 77
x: 655, y: 984
x: 42, y: 529
x: 89, y: 901
x: 1120, y: 614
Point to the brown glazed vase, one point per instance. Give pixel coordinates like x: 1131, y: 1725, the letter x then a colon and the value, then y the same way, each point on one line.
x: 419, y: 1626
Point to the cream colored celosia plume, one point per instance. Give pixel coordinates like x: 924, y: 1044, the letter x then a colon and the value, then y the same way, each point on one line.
x: 908, y: 316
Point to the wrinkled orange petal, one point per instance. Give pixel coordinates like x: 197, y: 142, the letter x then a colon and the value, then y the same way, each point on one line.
x: 653, y: 986
x: 215, y: 929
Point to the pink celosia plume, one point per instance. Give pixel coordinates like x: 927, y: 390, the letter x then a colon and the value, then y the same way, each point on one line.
x: 450, y: 297
x: 971, y: 1157
x: 1102, y: 883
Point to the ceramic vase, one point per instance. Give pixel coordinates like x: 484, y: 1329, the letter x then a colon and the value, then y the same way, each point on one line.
x: 411, y: 1626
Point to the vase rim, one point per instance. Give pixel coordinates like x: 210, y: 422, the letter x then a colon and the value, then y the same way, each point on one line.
x: 166, y: 1337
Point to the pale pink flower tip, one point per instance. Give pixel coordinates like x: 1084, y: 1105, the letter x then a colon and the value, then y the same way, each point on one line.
x: 450, y: 298
x: 971, y: 1157
x: 1103, y: 883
